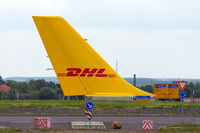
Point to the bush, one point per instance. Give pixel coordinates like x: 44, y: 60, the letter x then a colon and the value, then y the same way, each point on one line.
x: 47, y: 93
x: 34, y: 95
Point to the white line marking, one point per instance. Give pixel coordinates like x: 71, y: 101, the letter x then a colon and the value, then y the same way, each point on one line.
x: 59, y: 121
x: 128, y: 122
x: 164, y: 122
x: 20, y: 121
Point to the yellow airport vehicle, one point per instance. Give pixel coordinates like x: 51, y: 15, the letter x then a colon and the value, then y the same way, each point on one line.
x: 166, y: 91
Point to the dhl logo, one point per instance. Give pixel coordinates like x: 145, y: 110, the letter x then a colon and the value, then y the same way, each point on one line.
x: 87, y: 72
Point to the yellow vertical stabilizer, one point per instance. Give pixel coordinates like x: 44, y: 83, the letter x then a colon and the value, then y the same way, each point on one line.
x: 79, y: 68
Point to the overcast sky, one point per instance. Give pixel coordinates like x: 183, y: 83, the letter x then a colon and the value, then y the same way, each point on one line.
x: 151, y: 38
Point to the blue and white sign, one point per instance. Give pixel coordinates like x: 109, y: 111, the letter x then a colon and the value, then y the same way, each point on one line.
x: 172, y: 86
x: 142, y: 97
x: 160, y: 86
x: 89, y: 105
x: 182, y: 94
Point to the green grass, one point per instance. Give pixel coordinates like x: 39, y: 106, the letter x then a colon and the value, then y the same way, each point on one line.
x: 11, y: 130
x: 41, y: 104
x: 98, y: 104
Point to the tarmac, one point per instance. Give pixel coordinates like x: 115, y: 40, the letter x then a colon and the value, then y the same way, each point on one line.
x: 64, y: 122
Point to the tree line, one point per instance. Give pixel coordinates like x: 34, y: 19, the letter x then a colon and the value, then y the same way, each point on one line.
x: 43, y: 90
x: 34, y: 89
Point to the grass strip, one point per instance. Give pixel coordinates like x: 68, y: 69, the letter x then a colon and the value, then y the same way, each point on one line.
x: 78, y: 104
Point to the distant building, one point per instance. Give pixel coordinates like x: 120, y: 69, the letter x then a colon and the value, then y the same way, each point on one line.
x: 4, y: 87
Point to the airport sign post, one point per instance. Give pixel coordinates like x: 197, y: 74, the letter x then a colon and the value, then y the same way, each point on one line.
x: 182, y: 84
x: 89, y: 105
x: 182, y: 94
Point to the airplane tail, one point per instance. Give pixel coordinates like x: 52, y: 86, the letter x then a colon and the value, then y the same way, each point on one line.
x: 79, y: 68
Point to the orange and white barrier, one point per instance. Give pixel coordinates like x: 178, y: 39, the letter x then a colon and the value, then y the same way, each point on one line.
x: 89, y: 115
x: 147, y: 124
x: 42, y: 122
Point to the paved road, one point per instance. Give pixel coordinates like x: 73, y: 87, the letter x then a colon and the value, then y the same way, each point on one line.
x: 64, y: 122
